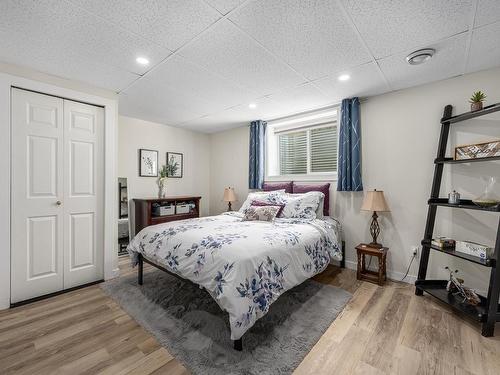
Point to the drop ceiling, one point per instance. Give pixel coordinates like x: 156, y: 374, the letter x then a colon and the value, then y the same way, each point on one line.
x: 209, y: 59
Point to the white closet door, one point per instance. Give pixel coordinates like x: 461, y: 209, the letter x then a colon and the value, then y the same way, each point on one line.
x: 83, y: 204
x: 37, y: 191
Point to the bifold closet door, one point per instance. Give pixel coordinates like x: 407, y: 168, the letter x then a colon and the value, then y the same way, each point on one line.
x: 57, y: 194
x: 37, y: 192
x: 83, y: 204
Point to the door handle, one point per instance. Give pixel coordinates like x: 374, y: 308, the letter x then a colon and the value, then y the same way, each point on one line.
x: 58, y: 203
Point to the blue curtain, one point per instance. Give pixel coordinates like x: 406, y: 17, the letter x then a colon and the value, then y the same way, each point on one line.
x: 256, y: 168
x: 349, y: 166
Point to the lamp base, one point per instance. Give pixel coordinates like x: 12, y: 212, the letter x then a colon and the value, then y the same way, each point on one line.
x: 375, y: 245
x: 229, y: 208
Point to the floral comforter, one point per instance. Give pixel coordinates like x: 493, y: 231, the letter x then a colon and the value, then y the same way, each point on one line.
x: 245, y: 266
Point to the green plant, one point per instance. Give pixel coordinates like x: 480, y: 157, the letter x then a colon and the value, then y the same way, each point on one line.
x: 163, y: 172
x: 477, y: 97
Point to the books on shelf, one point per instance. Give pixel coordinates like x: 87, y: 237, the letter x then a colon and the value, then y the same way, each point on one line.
x: 443, y: 243
x: 465, y: 247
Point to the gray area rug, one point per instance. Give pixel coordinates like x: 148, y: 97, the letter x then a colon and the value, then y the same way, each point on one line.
x: 190, y: 324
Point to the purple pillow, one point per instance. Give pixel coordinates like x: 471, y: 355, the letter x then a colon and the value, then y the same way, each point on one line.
x: 262, y: 204
x: 324, y: 188
x: 277, y: 186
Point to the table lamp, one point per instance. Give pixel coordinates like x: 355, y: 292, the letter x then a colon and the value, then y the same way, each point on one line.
x: 375, y: 201
x: 229, y: 197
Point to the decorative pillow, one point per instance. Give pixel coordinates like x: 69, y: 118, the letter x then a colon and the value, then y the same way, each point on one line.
x: 264, y: 213
x: 302, y: 206
x: 262, y: 204
x: 271, y: 186
x: 323, y: 188
x: 263, y: 196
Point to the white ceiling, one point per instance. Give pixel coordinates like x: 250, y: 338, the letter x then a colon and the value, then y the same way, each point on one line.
x: 210, y: 58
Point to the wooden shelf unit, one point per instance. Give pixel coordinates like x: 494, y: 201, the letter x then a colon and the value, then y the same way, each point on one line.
x: 144, y: 211
x: 488, y: 311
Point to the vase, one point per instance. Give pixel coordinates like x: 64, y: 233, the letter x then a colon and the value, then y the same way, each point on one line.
x: 476, y: 106
x: 488, y: 198
x: 161, y: 189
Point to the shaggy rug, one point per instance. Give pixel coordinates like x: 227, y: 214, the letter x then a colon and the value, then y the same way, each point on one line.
x: 190, y: 324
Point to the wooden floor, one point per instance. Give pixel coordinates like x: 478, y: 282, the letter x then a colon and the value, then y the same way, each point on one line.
x: 383, y: 330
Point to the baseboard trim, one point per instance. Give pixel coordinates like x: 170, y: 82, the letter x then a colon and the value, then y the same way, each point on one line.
x: 391, y: 274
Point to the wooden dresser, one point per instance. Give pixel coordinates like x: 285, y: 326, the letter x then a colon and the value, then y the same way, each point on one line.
x: 145, y: 216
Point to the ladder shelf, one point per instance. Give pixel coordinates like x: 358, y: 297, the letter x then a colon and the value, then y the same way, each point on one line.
x: 488, y: 311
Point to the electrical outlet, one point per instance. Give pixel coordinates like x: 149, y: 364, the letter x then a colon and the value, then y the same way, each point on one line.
x: 414, y: 251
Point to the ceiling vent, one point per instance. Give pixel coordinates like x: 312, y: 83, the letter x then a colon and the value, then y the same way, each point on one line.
x: 421, y: 56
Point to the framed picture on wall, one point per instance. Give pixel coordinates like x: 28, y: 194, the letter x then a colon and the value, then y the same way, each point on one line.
x: 148, y: 163
x: 175, y: 165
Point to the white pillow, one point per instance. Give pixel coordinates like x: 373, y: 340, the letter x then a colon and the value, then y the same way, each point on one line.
x: 302, y: 206
x: 274, y: 196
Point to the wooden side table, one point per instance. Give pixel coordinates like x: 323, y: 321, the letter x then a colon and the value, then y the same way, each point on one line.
x: 372, y: 276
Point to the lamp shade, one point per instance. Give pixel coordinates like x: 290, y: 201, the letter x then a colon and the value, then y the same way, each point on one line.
x: 229, y: 195
x: 375, y: 201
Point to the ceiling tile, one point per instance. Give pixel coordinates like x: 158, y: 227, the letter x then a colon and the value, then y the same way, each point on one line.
x: 488, y: 11
x: 312, y: 36
x: 365, y: 80
x: 65, y: 29
x: 298, y: 99
x: 189, y: 79
x: 390, y: 27
x: 447, y: 62
x: 484, y: 54
x: 167, y: 107
x: 226, y: 51
x: 225, y: 6
x: 169, y: 23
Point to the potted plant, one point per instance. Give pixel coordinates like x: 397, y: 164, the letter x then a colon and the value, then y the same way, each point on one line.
x: 477, y: 100
x: 162, y: 178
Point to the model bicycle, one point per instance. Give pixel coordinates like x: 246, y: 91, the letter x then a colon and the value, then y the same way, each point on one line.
x: 456, y: 287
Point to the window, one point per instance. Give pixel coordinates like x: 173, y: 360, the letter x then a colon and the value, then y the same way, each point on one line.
x: 303, y: 146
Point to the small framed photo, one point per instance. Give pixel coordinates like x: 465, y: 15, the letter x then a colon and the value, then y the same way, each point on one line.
x: 175, y: 165
x: 148, y: 163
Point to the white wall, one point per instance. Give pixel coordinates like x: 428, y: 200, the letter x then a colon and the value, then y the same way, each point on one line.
x: 228, y: 167
x: 134, y: 134
x: 400, y: 134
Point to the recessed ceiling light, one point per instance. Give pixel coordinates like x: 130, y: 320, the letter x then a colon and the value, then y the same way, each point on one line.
x: 420, y: 56
x: 252, y: 106
x: 344, y: 77
x: 142, y: 61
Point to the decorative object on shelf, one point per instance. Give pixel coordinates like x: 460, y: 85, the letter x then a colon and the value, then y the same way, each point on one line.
x: 454, y: 197
x: 444, y: 243
x: 475, y: 249
x: 162, y: 180
x: 476, y: 101
x: 229, y: 197
x: 478, y: 150
x: 375, y: 201
x: 175, y: 165
x: 456, y: 286
x: 488, y: 198
x: 378, y: 277
x: 148, y: 163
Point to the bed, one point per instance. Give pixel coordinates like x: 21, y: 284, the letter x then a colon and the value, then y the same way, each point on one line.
x: 244, y: 265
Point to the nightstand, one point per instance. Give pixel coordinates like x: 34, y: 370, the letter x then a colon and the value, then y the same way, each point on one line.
x: 372, y: 276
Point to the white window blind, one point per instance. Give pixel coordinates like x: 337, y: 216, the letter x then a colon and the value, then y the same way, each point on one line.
x: 323, y: 146
x: 293, y: 153
x: 312, y: 150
